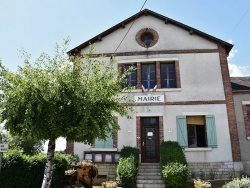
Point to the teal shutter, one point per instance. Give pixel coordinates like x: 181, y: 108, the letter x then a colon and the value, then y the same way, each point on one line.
x: 104, y: 144
x: 181, y: 124
x: 211, y: 131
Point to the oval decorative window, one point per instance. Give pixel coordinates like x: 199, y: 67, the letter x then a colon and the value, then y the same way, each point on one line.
x: 147, y: 37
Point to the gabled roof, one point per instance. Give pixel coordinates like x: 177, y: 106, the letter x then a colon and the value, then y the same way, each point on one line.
x: 240, y: 83
x: 145, y: 12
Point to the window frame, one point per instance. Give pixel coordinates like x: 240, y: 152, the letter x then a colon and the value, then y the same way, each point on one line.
x: 168, y: 72
x: 157, y: 61
x: 125, y: 67
x: 149, y: 79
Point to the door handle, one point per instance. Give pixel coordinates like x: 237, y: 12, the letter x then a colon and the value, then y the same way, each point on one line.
x: 142, y: 143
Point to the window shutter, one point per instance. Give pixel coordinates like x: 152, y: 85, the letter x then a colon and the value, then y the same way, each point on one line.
x: 211, y: 131
x: 182, y: 131
x: 104, y: 144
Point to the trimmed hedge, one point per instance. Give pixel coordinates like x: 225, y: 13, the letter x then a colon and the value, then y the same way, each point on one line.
x: 126, y: 172
x: 175, y: 174
x: 174, y: 164
x: 171, y: 151
x: 22, y: 171
x: 126, y: 151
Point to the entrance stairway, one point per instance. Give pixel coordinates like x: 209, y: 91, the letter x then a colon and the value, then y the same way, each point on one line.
x: 149, y: 176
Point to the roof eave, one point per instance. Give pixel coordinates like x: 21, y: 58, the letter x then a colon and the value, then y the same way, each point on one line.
x: 145, y: 12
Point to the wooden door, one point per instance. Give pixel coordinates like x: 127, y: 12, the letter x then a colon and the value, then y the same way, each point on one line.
x: 150, y: 143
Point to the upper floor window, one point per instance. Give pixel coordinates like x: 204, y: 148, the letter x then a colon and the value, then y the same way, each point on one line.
x: 148, y: 76
x: 168, y: 79
x: 132, y: 77
x: 151, y: 76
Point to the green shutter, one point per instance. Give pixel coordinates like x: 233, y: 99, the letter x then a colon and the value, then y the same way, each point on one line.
x: 211, y: 131
x: 104, y: 144
x: 181, y: 124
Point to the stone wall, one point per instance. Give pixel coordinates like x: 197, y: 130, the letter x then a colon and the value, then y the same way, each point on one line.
x: 246, y: 166
x: 105, y: 172
x: 214, y: 170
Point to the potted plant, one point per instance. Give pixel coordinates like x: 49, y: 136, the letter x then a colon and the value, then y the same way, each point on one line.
x: 109, y: 184
x: 198, y: 183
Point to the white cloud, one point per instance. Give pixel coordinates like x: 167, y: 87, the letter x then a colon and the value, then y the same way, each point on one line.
x: 236, y: 70
x: 230, y: 41
x: 60, y: 145
x: 231, y: 54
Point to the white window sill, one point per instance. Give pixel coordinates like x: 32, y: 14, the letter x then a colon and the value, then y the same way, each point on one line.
x: 158, y: 90
x: 103, y: 149
x: 197, y: 149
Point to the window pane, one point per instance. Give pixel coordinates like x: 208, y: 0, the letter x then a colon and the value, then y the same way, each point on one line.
x: 88, y: 157
x: 117, y: 157
x: 98, y: 157
x: 164, y: 84
x: 108, y: 158
x: 152, y: 67
x: 172, y: 84
x: 133, y: 75
x: 191, y: 136
x: 171, y: 75
x: 171, y: 67
x: 201, y: 136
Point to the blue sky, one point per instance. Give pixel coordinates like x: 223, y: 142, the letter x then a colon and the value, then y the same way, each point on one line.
x: 37, y: 25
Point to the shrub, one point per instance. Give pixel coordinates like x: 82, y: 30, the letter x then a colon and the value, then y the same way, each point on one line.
x: 171, y: 152
x: 244, y: 182
x: 28, y: 170
x: 126, y: 172
x: 126, y: 151
x: 175, y: 174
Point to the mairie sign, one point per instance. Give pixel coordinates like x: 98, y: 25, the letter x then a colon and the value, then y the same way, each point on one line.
x: 149, y: 98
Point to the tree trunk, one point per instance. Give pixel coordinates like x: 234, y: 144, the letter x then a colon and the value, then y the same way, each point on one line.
x: 48, y: 172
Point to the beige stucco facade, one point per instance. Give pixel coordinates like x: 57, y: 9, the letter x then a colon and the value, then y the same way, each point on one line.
x: 201, y: 90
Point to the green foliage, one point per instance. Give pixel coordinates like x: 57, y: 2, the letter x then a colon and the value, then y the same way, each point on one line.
x: 126, y: 172
x: 244, y: 182
x: 22, y: 171
x: 175, y: 174
x: 74, y: 97
x: 51, y: 98
x: 126, y: 151
x: 171, y: 152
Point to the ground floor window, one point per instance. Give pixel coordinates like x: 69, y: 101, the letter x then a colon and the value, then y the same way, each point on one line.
x: 108, y: 143
x: 196, y: 131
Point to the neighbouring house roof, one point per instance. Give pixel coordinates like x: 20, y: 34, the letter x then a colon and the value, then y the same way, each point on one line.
x: 240, y: 83
x: 146, y: 12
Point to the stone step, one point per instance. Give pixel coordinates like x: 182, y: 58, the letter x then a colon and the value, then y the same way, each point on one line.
x: 149, y: 170
x: 149, y: 178
x: 149, y: 174
x: 150, y: 182
x: 151, y: 186
x: 149, y: 164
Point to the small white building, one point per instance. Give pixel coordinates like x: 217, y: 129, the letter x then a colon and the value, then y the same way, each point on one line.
x: 193, y: 102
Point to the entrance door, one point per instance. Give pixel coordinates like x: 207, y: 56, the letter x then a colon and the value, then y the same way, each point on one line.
x: 150, y: 139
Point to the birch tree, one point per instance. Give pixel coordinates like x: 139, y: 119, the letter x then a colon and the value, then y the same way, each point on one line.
x: 74, y: 97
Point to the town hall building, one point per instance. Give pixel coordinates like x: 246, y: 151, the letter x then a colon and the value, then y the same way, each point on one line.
x: 183, y: 94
